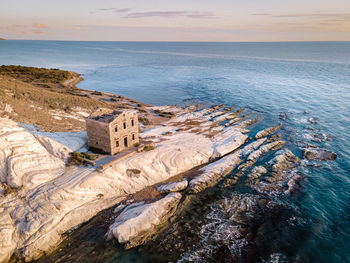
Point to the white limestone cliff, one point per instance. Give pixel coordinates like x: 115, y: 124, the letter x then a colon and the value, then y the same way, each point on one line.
x: 54, y: 199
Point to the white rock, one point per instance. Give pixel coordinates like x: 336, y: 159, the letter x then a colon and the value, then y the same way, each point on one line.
x: 172, y: 187
x: 8, y: 108
x: 54, y: 147
x: 138, y: 222
x: 54, y: 202
x: 213, y: 172
x: 264, y: 149
x: 267, y: 132
x: 229, y: 140
x: 74, y: 141
x: 157, y: 131
x: 257, y: 172
x: 24, y: 162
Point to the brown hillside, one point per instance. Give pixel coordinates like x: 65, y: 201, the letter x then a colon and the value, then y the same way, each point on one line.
x: 49, y: 98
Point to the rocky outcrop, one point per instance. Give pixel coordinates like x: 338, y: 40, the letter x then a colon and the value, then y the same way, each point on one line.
x: 213, y: 172
x: 284, y: 160
x: 58, y: 144
x: 257, y: 172
x: 266, y: 132
x: 230, y: 226
x: 173, y: 187
x: 54, y: 147
x: 282, y: 177
x: 318, y: 154
x: 264, y: 149
x: 137, y: 222
x: 56, y: 200
x: 24, y: 162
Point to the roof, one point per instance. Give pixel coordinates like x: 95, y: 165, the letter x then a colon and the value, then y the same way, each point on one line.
x: 108, y: 115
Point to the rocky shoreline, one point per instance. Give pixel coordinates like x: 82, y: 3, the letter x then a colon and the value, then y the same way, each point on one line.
x: 196, y: 149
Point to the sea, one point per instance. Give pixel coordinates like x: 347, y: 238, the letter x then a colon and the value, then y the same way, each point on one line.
x: 300, y: 80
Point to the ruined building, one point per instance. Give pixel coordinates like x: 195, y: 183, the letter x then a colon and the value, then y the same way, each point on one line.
x: 112, y: 131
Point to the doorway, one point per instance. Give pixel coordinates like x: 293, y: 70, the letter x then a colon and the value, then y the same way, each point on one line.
x: 126, y: 142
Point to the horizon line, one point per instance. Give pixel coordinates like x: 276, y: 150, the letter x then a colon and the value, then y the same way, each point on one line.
x: 176, y: 41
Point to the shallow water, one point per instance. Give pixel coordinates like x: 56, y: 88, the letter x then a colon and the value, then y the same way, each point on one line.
x: 269, y: 78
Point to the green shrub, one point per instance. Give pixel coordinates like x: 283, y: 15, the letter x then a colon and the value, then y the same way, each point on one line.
x: 144, y: 121
x: 165, y: 114
x: 79, y: 159
x: 30, y: 74
x: 89, y: 156
x: 96, y: 93
x: 149, y: 148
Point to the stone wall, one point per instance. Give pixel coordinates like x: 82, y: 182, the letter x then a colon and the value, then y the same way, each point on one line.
x: 98, y: 135
x: 128, y: 134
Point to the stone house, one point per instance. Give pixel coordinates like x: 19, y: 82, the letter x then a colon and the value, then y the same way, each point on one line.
x: 112, y: 131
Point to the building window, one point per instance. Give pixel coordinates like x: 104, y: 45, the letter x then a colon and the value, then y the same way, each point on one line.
x: 124, y: 124
x: 117, y: 143
x: 132, y: 123
x: 116, y: 128
x: 133, y: 137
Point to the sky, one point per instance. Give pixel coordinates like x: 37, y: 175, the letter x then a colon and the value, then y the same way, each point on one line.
x: 177, y: 20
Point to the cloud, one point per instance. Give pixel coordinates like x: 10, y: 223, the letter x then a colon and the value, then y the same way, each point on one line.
x: 170, y: 14
x: 312, y: 22
x: 341, y: 16
x: 167, y: 14
x: 37, y: 25
x: 201, y: 15
x: 37, y: 31
x: 262, y: 14
x: 111, y: 9
x: 316, y: 15
x: 156, y: 14
x: 19, y: 29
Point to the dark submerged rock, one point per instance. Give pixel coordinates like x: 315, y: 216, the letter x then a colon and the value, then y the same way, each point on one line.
x: 283, y: 116
x: 318, y: 154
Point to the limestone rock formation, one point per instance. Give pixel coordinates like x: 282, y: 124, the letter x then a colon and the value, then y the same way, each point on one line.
x: 316, y: 153
x: 213, y: 172
x: 257, y: 172
x: 173, y: 187
x: 137, y: 223
x: 55, y: 199
x: 266, y: 132
x: 24, y: 162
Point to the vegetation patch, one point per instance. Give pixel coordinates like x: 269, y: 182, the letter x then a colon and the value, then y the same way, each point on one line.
x: 98, y: 93
x: 148, y: 148
x: 144, y: 121
x: 166, y: 114
x: 80, y: 159
x: 47, y: 78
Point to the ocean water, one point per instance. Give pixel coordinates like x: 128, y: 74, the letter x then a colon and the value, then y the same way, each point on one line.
x: 294, y: 78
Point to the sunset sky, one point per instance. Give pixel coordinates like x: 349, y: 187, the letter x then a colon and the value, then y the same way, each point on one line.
x: 180, y: 20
